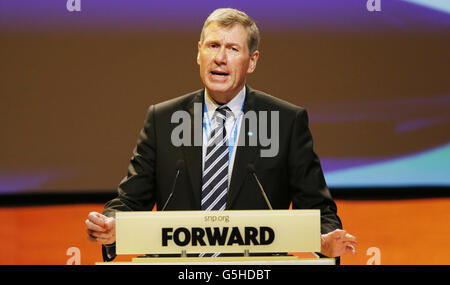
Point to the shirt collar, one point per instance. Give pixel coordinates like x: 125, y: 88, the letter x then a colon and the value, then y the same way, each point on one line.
x: 235, y: 104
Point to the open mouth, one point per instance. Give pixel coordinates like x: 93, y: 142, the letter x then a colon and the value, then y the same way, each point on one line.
x: 219, y: 73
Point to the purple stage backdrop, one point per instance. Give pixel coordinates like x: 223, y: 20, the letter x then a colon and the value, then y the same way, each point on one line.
x: 75, y: 85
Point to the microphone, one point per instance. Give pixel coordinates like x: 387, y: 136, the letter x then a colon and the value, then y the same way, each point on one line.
x: 180, y: 164
x: 251, y: 169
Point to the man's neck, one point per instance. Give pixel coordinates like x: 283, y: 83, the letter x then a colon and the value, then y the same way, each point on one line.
x: 222, y: 99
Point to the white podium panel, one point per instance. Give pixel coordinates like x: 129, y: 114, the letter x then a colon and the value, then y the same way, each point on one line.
x: 218, y: 231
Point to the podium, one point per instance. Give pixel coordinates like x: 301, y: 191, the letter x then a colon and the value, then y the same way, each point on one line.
x: 194, y: 236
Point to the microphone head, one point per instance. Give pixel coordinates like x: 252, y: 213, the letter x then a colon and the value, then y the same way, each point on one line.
x: 251, y: 168
x: 180, y: 164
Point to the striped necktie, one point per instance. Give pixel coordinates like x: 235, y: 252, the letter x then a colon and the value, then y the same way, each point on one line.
x: 215, y: 172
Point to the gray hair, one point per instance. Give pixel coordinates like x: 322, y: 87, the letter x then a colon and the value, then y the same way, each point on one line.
x: 228, y: 17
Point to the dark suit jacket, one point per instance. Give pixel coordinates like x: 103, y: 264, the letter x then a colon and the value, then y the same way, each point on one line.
x: 293, y: 176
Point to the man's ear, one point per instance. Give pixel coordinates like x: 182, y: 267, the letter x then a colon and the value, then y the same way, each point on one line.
x: 253, y: 61
x: 198, y: 53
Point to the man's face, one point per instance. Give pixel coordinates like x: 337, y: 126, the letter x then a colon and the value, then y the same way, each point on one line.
x: 224, y: 60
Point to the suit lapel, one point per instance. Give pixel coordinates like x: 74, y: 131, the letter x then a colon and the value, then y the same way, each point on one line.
x: 244, y: 154
x: 193, y: 154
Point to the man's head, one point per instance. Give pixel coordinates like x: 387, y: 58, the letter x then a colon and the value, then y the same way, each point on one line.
x: 227, y: 52
x: 227, y: 17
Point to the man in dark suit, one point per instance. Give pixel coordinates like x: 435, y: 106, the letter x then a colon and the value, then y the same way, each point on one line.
x: 215, y: 174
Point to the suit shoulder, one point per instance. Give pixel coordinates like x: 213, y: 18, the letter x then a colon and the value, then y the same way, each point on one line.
x: 267, y: 101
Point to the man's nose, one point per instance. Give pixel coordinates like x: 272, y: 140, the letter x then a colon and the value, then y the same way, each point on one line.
x: 221, y: 56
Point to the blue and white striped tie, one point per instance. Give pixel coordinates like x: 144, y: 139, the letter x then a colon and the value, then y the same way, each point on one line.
x: 215, y: 172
